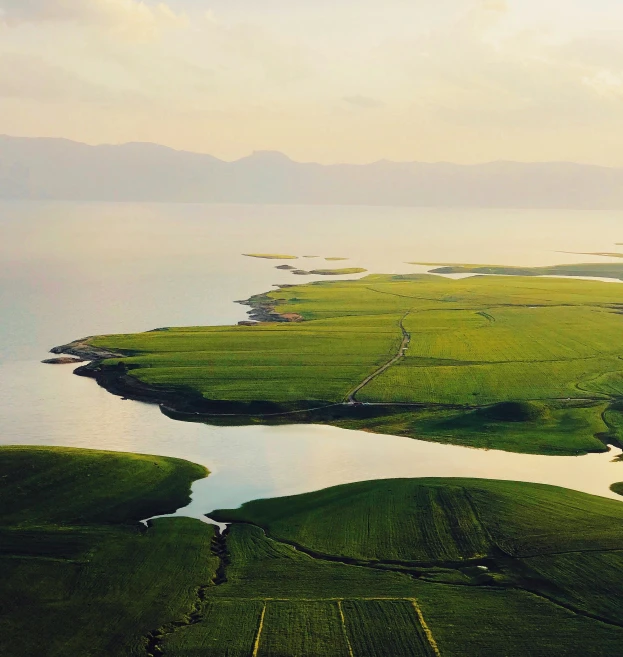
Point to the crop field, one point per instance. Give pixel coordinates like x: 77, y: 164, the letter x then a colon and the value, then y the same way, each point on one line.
x: 486, y: 622
x: 549, y: 581
x: 305, y: 629
x: 473, y: 343
x: 273, y: 362
x: 438, y: 520
x: 228, y: 627
x: 385, y: 627
x: 358, y: 570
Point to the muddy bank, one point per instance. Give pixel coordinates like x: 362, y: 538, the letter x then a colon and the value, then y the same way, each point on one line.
x: 62, y: 360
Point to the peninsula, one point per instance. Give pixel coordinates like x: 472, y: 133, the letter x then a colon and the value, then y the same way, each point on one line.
x: 519, y: 363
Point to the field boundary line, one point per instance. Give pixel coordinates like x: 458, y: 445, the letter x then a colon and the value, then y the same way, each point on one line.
x: 256, y: 645
x: 350, y: 648
x: 427, y: 630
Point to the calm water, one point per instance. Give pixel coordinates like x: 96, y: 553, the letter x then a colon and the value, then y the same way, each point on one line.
x: 70, y: 270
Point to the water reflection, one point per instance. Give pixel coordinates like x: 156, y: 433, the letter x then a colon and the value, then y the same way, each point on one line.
x: 69, y: 270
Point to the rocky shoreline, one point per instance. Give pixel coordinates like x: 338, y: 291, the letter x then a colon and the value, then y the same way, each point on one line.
x: 264, y: 309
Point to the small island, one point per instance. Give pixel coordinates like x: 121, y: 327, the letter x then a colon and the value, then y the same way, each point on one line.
x: 338, y: 272
x: 271, y: 256
x: 589, y: 270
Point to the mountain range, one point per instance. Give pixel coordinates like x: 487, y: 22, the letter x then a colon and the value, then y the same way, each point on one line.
x: 59, y: 169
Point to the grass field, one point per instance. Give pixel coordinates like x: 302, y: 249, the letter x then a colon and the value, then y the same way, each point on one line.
x: 408, y: 568
x: 80, y: 575
x: 434, y: 566
x: 474, y: 343
x: 438, y: 520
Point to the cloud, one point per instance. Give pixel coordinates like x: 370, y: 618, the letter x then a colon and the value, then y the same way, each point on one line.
x: 28, y: 77
x: 131, y: 17
x: 365, y: 102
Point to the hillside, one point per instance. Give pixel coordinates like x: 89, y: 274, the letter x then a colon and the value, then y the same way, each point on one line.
x: 64, y: 170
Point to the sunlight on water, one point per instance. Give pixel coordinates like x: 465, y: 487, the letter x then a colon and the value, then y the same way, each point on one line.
x: 70, y: 270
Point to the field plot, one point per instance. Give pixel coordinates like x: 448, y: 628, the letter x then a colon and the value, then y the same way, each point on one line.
x: 263, y: 568
x: 469, y: 344
x: 270, y: 362
x: 479, y: 622
x: 304, y: 629
x: 377, y: 628
x: 549, y: 580
x: 227, y: 627
x: 588, y: 581
x: 407, y: 568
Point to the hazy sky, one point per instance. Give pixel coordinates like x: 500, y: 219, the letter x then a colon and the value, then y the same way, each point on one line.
x: 323, y: 80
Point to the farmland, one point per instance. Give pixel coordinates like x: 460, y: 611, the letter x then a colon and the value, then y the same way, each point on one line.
x: 432, y: 358
x: 419, y: 567
x: 81, y: 575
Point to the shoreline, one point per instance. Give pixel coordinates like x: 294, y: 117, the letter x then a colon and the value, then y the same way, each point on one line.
x: 186, y: 404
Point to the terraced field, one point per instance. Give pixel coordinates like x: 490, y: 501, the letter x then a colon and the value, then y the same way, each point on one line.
x: 471, y: 345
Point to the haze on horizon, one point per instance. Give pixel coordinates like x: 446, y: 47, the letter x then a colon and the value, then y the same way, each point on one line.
x: 351, y: 81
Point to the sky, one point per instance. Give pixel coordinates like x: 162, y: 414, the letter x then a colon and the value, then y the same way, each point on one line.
x: 321, y: 80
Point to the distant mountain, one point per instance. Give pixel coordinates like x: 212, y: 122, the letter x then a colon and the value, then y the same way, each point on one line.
x: 66, y: 170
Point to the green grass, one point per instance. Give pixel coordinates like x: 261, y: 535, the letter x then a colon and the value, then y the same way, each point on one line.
x: 564, y: 429
x: 304, y: 629
x: 377, y: 628
x: 474, y: 343
x: 338, y: 271
x: 380, y: 568
x: 80, y: 575
x: 228, y: 627
x: 478, y: 622
x: 554, y: 558
x: 438, y: 520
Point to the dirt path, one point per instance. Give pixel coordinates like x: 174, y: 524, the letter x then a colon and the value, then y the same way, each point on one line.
x: 406, y: 338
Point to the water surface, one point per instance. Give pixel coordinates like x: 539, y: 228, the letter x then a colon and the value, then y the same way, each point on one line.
x: 70, y: 270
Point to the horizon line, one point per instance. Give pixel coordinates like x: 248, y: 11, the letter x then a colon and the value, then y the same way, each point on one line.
x: 283, y: 155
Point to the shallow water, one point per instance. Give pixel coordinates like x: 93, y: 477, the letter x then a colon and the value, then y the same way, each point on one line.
x: 70, y: 270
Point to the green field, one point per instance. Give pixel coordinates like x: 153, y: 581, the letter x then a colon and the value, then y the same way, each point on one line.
x: 408, y: 568
x: 80, y: 574
x: 473, y: 344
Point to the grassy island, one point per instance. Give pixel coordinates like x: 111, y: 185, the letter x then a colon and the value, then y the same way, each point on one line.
x: 405, y: 567
x: 271, y: 256
x: 589, y: 270
x: 517, y: 363
x: 338, y: 271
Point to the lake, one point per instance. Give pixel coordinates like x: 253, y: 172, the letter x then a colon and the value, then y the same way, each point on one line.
x: 68, y: 270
